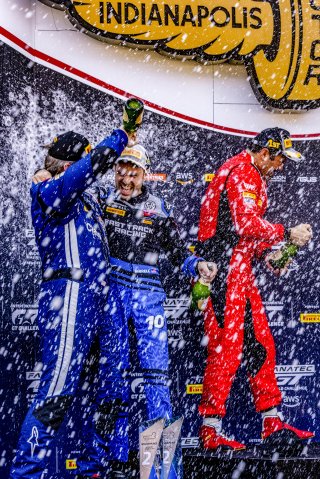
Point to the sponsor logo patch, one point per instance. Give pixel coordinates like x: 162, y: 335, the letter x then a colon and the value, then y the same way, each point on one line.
x: 289, y: 376
x: 155, y: 177
x: 208, y: 177
x: 194, y: 388
x: 176, y: 307
x: 24, y: 317
x: 248, y: 194
x: 189, y: 441
x: 71, y: 464
x: 310, y: 317
x: 115, y: 211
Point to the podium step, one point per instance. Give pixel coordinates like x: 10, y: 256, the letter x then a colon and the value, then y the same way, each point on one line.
x: 257, y: 462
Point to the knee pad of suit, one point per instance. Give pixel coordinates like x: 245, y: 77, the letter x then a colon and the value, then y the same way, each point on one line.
x: 51, y: 412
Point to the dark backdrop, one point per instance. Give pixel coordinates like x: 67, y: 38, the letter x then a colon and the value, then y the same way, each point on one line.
x: 38, y: 103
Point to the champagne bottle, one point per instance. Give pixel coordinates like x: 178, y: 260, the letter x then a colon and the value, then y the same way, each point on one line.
x: 287, y: 252
x: 132, y: 114
x: 200, y: 294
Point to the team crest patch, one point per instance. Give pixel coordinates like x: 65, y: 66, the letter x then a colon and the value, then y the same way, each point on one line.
x: 150, y: 205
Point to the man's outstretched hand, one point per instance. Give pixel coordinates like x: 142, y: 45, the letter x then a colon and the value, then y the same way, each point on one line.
x: 300, y: 234
x: 41, y: 175
x: 207, y: 271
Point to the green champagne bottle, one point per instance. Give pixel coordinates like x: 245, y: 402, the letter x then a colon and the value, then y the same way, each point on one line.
x: 287, y: 252
x: 200, y: 294
x: 132, y: 114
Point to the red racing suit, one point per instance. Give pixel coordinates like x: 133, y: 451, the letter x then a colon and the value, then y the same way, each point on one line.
x: 232, y: 232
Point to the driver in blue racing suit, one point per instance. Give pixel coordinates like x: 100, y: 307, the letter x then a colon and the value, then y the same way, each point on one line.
x: 73, y: 249
x: 139, y: 225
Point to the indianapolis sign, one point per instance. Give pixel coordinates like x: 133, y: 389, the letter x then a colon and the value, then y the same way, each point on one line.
x: 277, y: 40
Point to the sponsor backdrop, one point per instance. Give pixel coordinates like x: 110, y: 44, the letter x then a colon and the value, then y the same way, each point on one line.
x: 37, y: 103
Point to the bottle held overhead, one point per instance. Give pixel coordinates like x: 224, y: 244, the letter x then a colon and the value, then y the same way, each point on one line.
x: 132, y: 114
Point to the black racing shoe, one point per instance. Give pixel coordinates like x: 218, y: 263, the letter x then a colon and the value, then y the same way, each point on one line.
x: 118, y: 470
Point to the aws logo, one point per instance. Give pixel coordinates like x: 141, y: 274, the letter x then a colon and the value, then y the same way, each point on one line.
x: 277, y: 40
x: 184, y: 178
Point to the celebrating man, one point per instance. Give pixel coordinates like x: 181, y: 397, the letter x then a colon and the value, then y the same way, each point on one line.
x: 139, y: 225
x: 73, y: 249
x: 233, y: 231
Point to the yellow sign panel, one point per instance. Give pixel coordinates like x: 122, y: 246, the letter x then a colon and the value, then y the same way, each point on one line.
x: 194, y: 388
x: 208, y: 177
x: 278, y: 40
x: 71, y: 464
x: 310, y: 317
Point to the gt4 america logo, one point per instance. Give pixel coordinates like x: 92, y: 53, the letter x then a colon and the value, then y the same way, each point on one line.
x: 277, y: 40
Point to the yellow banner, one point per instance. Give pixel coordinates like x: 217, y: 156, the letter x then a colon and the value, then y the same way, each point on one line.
x: 278, y: 40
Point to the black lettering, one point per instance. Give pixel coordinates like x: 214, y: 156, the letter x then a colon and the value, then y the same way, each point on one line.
x: 135, y: 11
x: 203, y: 12
x: 258, y: 20
x: 188, y: 16
x: 143, y: 13
x: 111, y: 12
x: 315, y: 17
x: 220, y: 9
x: 311, y: 74
x: 101, y: 12
x: 234, y: 18
x: 313, y: 5
x: 169, y: 13
x: 245, y: 17
x: 154, y: 15
x: 313, y: 55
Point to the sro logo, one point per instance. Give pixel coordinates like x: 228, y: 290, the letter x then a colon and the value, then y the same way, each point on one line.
x: 278, y: 40
x: 24, y: 317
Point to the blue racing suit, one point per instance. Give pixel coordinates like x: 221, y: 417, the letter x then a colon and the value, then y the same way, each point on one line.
x: 138, y: 230
x: 73, y: 249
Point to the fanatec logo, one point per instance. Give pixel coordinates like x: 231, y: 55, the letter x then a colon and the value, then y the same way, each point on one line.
x: 189, y: 441
x: 33, y: 377
x: 176, y: 307
x: 31, y: 247
x: 290, y: 375
x: 274, y: 311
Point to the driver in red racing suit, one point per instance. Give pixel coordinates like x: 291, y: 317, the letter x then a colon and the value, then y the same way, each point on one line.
x: 232, y: 230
